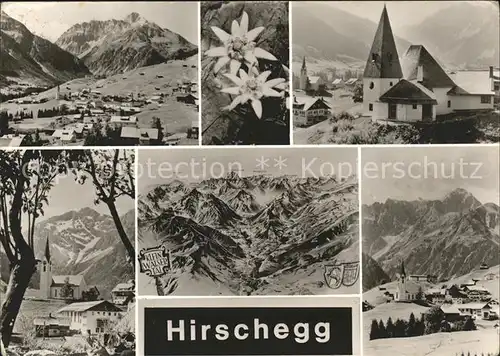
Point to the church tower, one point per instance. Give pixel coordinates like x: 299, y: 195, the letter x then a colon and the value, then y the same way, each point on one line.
x: 46, y: 272
x: 58, y: 93
x: 401, y: 294
x: 303, y: 75
x: 382, y: 70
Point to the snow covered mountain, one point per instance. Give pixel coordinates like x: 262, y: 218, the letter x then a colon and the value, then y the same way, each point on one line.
x: 448, y: 237
x: 86, y: 242
x: 30, y: 58
x: 252, y: 235
x: 114, y: 46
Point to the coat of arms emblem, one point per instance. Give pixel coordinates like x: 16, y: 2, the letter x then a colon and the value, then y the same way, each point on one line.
x: 155, y: 261
x: 340, y: 274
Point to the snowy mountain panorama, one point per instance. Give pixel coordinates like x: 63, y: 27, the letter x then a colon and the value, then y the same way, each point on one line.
x: 84, y: 242
x: 114, y: 46
x: 447, y: 237
x: 252, y: 235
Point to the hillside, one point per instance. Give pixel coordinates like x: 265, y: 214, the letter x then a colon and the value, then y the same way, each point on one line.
x: 464, y: 34
x: 348, y: 41
x: 252, y: 235
x: 31, y: 59
x: 448, y: 237
x: 85, y: 242
x: 114, y: 46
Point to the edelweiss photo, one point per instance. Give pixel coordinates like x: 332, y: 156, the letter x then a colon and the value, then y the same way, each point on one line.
x: 99, y: 74
x: 245, y: 75
x: 395, y: 72
x: 248, y: 222
x: 67, y: 234
x: 430, y: 229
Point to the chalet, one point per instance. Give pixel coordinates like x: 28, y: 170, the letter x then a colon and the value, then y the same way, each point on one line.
x: 452, y: 313
x: 476, y: 310
x: 456, y: 295
x: 121, y: 121
x: 123, y: 293
x: 417, y: 89
x: 351, y: 82
x: 337, y: 84
x: 194, y: 131
x: 477, y: 292
x: 367, y: 306
x: 64, y: 136
x: 139, y: 136
x: 91, y: 317
x: 12, y: 140
x: 51, y: 326
x: 436, y: 296
x: 309, y: 111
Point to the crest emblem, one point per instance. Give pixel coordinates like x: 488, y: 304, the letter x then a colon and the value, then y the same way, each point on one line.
x: 155, y: 261
x: 340, y: 274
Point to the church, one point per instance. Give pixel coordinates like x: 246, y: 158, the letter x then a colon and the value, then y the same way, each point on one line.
x: 418, y: 88
x: 307, y: 83
x: 51, y: 285
x: 407, y: 290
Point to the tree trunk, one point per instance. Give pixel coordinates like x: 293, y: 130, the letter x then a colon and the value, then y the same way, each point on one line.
x: 123, y: 235
x: 20, y: 276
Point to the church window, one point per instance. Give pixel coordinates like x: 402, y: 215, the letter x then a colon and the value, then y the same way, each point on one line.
x: 372, y: 85
x: 374, y: 57
x: 414, y: 106
x: 449, y: 103
x: 370, y: 107
x: 55, y: 292
x: 390, y: 84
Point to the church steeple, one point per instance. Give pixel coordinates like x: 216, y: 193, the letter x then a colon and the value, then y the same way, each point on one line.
x: 47, y: 250
x: 303, y: 64
x: 383, y: 60
x: 402, y: 272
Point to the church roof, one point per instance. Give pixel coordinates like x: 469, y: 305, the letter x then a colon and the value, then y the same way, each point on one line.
x: 434, y: 76
x: 383, y: 60
x: 47, y: 250
x: 413, y: 287
x: 61, y: 280
x: 406, y: 92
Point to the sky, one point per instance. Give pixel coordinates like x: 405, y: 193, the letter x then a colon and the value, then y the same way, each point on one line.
x: 50, y: 19
x: 402, y: 13
x: 406, y: 177
x: 193, y: 164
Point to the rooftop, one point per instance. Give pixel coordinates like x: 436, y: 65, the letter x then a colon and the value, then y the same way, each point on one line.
x: 407, y: 92
x: 471, y: 83
x: 73, y: 280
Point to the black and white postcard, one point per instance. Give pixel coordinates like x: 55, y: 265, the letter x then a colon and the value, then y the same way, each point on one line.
x: 99, y: 74
x: 234, y: 221
x: 67, y: 259
x: 395, y: 72
x: 245, y: 72
x: 430, y: 251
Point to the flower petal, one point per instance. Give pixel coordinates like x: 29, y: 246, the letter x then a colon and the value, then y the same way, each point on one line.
x: 235, y: 29
x: 223, y: 35
x: 243, y: 75
x: 260, y: 53
x: 234, y: 79
x: 274, y: 82
x: 234, y: 103
x: 216, y: 52
x: 220, y: 63
x: 232, y: 90
x: 250, y: 57
x: 244, y: 24
x: 263, y: 76
x: 254, y: 33
x: 234, y: 65
x: 257, y: 107
x: 281, y: 86
x: 266, y: 91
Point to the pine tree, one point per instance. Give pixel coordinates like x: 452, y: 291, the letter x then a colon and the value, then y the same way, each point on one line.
x: 374, y: 330
x: 382, y: 330
x: 390, y: 328
x: 469, y: 325
x: 400, y: 328
x: 410, y: 329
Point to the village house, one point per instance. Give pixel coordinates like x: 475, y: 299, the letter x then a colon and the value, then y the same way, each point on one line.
x: 12, y: 140
x: 51, y: 285
x: 337, y: 84
x: 122, y: 121
x: 91, y: 317
x: 476, y: 293
x: 194, y: 130
x: 123, y: 293
x: 451, y: 313
x: 419, y: 89
x: 422, y: 278
x: 476, y: 310
x: 188, y: 99
x: 64, y: 136
x: 139, y: 136
x: 50, y: 326
x: 456, y: 295
x: 309, y: 111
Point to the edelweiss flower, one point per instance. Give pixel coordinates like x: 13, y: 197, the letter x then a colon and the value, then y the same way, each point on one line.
x: 252, y: 86
x: 239, y: 46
